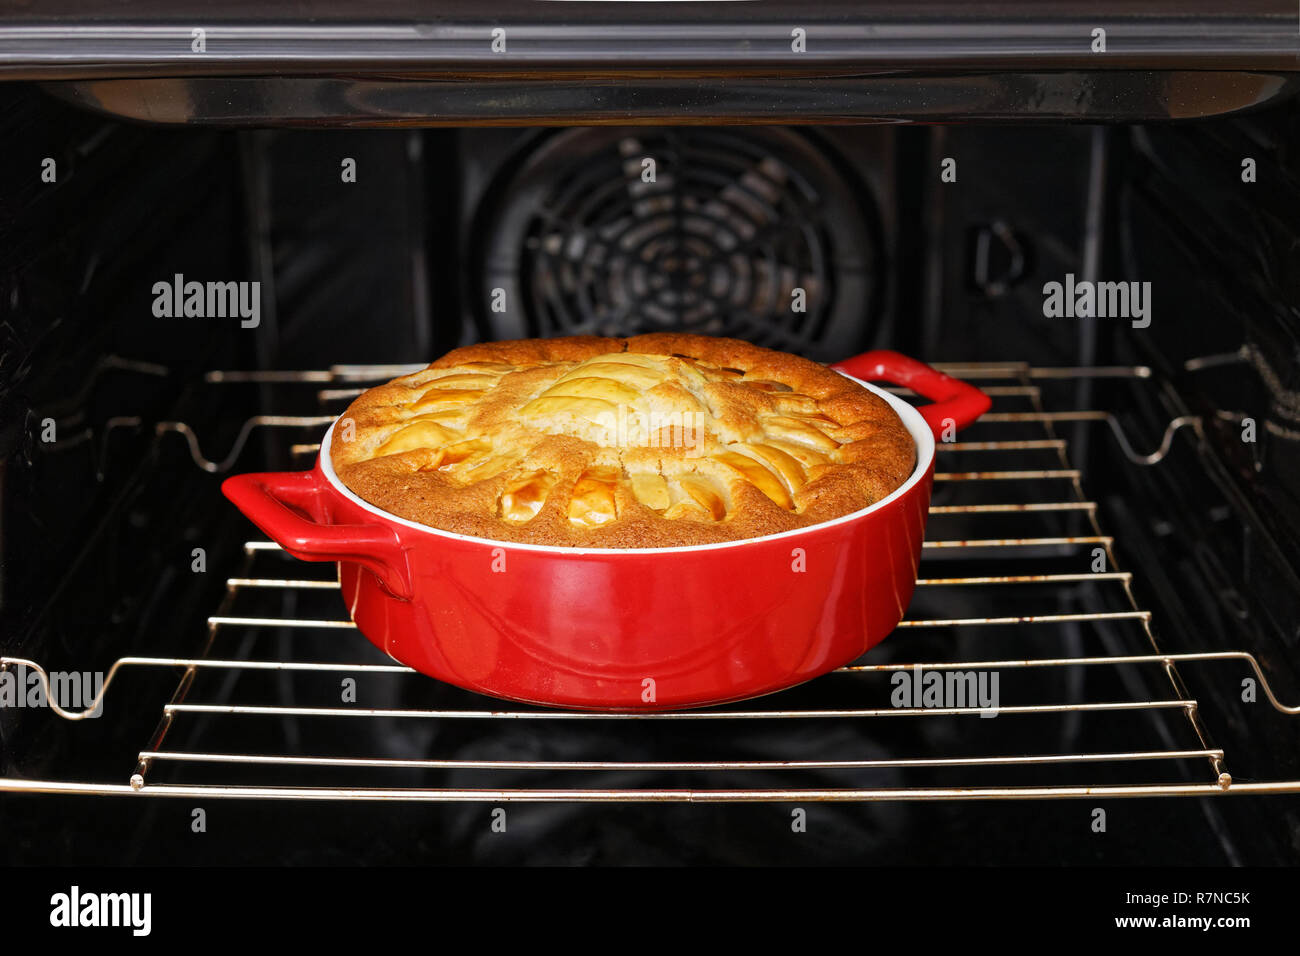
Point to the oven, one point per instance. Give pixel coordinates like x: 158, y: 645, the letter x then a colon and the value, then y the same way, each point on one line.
x: 1089, y: 211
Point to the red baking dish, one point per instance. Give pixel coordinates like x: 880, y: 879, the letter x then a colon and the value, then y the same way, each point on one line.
x: 632, y: 629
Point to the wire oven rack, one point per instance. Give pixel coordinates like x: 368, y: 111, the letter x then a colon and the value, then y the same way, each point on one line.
x: 1017, y: 580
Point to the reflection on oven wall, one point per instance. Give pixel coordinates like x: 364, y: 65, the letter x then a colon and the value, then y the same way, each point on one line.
x: 781, y: 236
x: 401, y: 265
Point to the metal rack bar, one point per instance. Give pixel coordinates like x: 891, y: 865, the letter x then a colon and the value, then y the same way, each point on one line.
x: 1014, y: 507
x: 275, y: 710
x: 1031, y: 444
x: 353, y: 668
x: 257, y: 421
x: 530, y: 795
x: 279, y: 622
x: 1005, y: 579
x: 204, y: 663
x: 982, y: 370
x: 1029, y: 578
x: 1039, y: 475
x: 673, y: 765
x: 1020, y: 542
x: 279, y: 583
x: 1030, y: 619
x: 337, y: 373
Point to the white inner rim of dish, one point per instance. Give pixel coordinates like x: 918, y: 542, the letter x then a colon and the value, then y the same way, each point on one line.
x: 911, y: 418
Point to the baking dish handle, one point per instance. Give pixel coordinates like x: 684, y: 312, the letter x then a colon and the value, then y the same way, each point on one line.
x: 954, y: 404
x: 268, y: 499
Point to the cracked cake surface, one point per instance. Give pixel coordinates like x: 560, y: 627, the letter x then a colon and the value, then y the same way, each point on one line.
x: 657, y: 440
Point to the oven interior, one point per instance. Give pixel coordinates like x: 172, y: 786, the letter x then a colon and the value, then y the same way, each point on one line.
x: 1106, y: 515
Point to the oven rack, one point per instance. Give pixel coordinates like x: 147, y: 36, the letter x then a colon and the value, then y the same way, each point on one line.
x: 1008, y: 504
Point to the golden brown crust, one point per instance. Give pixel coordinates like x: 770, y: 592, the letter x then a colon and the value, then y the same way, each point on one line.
x: 658, y: 440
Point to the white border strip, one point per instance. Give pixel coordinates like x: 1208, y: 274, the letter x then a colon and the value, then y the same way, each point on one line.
x: 912, y: 420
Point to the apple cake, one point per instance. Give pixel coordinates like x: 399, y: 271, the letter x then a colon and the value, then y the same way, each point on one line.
x: 657, y: 440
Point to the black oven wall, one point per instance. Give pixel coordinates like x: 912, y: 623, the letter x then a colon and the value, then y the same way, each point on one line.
x: 1210, y: 215
x: 97, y: 524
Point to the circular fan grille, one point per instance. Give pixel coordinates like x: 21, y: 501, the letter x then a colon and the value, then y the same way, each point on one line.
x: 614, y: 232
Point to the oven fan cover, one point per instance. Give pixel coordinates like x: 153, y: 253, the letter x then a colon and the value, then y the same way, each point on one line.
x: 754, y: 233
